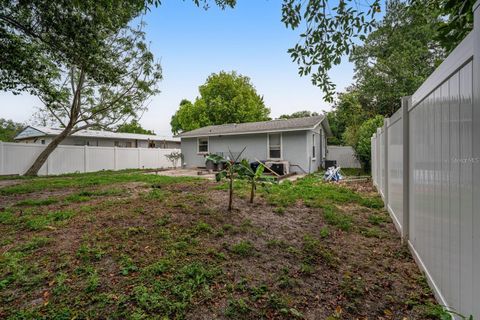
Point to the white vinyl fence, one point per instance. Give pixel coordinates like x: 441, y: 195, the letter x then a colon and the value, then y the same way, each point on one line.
x: 426, y: 165
x: 344, y: 155
x: 16, y: 158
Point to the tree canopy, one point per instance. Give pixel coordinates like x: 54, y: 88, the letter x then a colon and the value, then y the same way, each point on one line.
x: 226, y: 97
x: 299, y: 114
x: 9, y: 129
x: 133, y: 127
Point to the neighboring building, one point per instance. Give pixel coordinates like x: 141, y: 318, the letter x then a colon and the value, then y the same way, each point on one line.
x: 300, y: 142
x: 97, y: 138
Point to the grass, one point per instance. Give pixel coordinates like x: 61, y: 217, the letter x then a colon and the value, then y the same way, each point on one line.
x: 167, y: 249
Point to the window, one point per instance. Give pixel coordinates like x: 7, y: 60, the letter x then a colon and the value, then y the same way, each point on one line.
x: 43, y: 141
x: 314, y: 154
x: 202, y: 145
x: 129, y: 144
x: 275, y: 146
x: 116, y: 144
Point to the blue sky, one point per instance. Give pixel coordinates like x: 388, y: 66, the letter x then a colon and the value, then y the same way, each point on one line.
x: 192, y: 43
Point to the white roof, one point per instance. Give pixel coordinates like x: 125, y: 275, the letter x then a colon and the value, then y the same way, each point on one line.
x: 45, y: 131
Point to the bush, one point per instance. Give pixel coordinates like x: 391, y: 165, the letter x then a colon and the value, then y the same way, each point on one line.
x: 363, y: 146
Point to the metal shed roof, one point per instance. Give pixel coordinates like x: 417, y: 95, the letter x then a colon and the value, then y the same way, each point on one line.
x: 279, y: 125
x: 45, y: 131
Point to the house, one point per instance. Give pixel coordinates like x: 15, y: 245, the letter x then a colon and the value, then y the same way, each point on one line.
x: 300, y: 143
x: 97, y: 138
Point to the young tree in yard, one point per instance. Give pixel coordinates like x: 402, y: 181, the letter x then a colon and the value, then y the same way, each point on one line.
x: 226, y: 97
x: 254, y: 177
x: 9, y: 129
x: 230, y: 173
x: 174, y: 157
x: 133, y: 127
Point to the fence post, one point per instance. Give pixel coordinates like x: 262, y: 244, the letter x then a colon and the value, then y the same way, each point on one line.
x: 115, y: 165
x: 386, y: 123
x: 406, y: 102
x: 138, y: 156
x: 2, y: 158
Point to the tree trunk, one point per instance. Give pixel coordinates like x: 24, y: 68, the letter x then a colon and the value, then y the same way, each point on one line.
x: 230, y: 200
x: 33, y: 170
x: 252, y: 192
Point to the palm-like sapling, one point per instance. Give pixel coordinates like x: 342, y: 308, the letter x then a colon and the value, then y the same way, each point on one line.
x: 230, y: 172
x: 253, y: 176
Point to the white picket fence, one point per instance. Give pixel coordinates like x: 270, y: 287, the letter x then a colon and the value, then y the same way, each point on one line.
x: 426, y: 166
x: 16, y: 158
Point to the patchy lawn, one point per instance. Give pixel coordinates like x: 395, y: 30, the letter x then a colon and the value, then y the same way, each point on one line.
x: 129, y: 245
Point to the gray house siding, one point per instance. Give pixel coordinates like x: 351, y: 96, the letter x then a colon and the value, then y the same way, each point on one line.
x: 294, y: 148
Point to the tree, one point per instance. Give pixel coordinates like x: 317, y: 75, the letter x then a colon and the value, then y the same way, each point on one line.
x: 397, y: 57
x: 363, y: 146
x: 226, y: 97
x: 89, y: 68
x: 345, y: 118
x: 299, y: 114
x: 9, y: 129
x: 133, y: 127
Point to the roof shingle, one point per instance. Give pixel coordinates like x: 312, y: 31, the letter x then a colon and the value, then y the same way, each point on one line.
x: 294, y: 124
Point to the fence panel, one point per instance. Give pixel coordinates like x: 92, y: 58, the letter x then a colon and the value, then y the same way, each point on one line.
x: 16, y: 158
x: 395, y: 168
x: 344, y: 155
x: 433, y: 192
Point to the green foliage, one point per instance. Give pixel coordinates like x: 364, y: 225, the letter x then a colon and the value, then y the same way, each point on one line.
x: 345, y: 118
x: 133, y: 127
x: 299, y: 114
x: 36, y: 202
x: 331, y: 32
x: 9, y: 129
x: 365, y: 132
x: 226, y: 97
x: 243, y: 248
x: 246, y: 172
x: 398, y: 56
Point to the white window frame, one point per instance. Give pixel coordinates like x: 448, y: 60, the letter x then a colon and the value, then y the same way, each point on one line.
x: 198, y: 145
x: 314, y: 148
x: 281, y: 146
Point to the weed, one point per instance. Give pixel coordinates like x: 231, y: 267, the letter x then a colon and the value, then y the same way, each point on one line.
x: 259, y: 292
x: 164, y: 220
x: 284, y: 281
x: 135, y: 231
x: 324, y: 232
x: 237, y: 308
x: 88, y: 253
x: 36, y: 202
x: 352, y: 287
x: 156, y: 194
x: 374, y: 202
x: 34, y: 243
x: 376, y: 219
x: 127, y: 265
x: 306, y: 268
x: 41, y: 221
x: 203, y: 227
x: 279, y: 210
x: 373, y: 232
x: 243, y: 248
x: 157, y: 268
x: 335, y: 218
x: 93, y: 282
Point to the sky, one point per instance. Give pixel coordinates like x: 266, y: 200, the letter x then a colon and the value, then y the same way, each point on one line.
x: 191, y: 43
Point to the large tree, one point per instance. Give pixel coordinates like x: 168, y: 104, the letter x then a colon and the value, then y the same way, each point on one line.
x: 80, y: 58
x: 226, y: 97
x: 397, y: 57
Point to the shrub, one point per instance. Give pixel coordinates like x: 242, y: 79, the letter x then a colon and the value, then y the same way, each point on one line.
x: 363, y: 146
